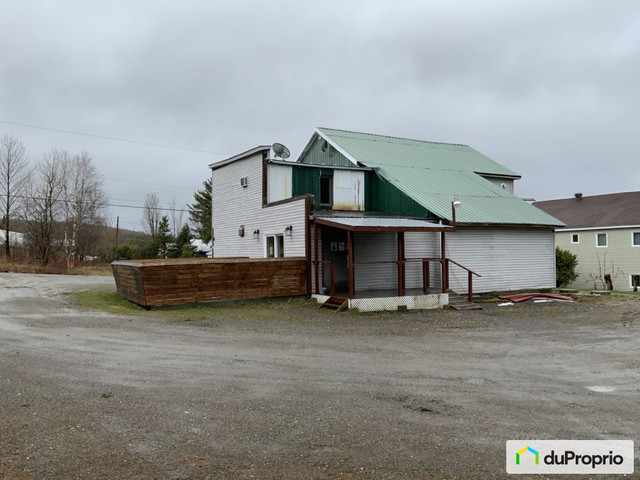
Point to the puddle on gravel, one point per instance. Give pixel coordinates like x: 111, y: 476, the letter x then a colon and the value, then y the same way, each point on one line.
x: 10, y: 326
x: 601, y: 388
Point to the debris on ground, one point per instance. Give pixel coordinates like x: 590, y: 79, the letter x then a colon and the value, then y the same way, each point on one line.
x: 536, y: 297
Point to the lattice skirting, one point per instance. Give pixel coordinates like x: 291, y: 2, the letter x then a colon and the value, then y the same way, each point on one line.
x: 410, y: 302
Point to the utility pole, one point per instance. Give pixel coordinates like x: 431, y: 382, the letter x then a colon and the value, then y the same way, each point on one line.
x: 117, y: 229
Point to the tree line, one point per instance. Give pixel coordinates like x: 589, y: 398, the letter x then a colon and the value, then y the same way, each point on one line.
x: 168, y: 235
x: 60, y: 206
x: 59, y: 202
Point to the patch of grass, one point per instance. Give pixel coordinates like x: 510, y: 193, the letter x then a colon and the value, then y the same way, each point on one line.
x: 250, y: 310
x: 101, y: 269
x: 107, y: 301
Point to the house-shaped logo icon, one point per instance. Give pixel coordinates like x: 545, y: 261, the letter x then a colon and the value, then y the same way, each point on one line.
x: 529, y: 449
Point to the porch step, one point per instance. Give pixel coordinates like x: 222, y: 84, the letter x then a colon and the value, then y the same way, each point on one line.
x: 336, y: 303
x: 460, y: 302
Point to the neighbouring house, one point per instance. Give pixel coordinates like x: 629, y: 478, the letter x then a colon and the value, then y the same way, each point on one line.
x: 603, y: 231
x: 373, y: 213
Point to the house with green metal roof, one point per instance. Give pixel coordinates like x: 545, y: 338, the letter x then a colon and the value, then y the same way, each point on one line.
x: 374, y: 213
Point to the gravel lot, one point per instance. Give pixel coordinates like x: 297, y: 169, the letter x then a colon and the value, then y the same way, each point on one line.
x: 306, y: 393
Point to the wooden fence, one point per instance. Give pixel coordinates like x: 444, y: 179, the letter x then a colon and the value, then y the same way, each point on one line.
x: 178, y: 281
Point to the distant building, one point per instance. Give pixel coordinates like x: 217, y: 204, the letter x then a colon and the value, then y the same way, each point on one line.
x: 604, y: 232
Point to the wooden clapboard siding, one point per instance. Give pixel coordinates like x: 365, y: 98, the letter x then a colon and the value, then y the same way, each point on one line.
x: 178, y: 281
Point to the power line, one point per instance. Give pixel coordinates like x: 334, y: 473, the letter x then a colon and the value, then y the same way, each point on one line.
x: 115, y: 139
x: 147, y: 183
x: 107, y: 204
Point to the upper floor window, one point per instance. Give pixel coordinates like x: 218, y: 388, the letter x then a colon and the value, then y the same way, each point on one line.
x: 326, y: 190
x: 635, y: 239
x: 575, y: 238
x: 601, y: 239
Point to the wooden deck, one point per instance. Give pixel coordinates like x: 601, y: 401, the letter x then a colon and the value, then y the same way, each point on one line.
x: 179, y: 281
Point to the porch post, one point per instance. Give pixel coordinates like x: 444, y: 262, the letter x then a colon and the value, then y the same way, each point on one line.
x: 401, y: 269
x: 350, y: 265
x: 445, y: 264
x: 307, y: 244
x: 315, y: 253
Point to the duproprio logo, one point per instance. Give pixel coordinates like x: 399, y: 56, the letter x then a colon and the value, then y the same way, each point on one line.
x: 527, y: 456
x: 527, y: 449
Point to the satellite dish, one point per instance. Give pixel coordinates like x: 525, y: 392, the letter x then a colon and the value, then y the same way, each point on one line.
x: 279, y: 150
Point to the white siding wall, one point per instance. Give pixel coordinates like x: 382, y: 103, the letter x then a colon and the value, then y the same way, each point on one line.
x: 375, y: 247
x: 348, y: 190
x: 279, y: 183
x: 234, y: 205
x: 507, y: 259
x: 421, y: 245
x: 499, y: 182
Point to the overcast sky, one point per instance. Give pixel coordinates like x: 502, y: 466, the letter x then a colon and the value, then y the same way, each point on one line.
x: 550, y: 89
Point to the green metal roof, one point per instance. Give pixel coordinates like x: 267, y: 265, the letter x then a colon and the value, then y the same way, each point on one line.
x: 434, y: 173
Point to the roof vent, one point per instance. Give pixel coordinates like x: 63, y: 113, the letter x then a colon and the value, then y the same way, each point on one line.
x: 578, y: 195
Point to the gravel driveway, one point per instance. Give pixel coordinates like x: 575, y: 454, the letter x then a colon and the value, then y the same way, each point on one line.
x: 310, y: 394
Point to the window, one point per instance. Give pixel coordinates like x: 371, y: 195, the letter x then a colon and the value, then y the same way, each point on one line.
x: 575, y: 238
x: 274, y: 246
x: 601, y: 239
x: 635, y: 239
x: 326, y: 187
x: 634, y: 280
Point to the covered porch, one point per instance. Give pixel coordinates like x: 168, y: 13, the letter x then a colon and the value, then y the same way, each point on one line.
x: 360, y: 256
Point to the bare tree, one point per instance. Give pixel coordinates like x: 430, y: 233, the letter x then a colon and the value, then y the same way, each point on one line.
x: 43, y: 204
x: 14, y: 176
x: 84, y: 203
x: 176, y: 215
x: 151, y: 214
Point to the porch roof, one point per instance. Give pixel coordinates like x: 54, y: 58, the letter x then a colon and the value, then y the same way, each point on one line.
x: 380, y: 224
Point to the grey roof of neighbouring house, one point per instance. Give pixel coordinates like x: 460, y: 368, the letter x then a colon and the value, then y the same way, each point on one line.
x: 610, y: 210
x: 433, y: 174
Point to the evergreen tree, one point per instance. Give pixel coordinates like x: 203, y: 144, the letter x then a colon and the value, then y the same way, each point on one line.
x: 183, y: 242
x: 200, y: 213
x: 163, y: 235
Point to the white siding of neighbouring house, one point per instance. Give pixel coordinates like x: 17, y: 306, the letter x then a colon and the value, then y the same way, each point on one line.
x: 235, y: 206
x: 279, y: 183
x: 507, y: 259
x: 348, y: 190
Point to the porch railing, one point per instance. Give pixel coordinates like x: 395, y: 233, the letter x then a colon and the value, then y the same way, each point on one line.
x: 470, y: 274
x: 426, y: 278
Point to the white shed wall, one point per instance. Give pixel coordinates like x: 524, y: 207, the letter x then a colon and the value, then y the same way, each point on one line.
x: 507, y: 259
x: 234, y: 205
